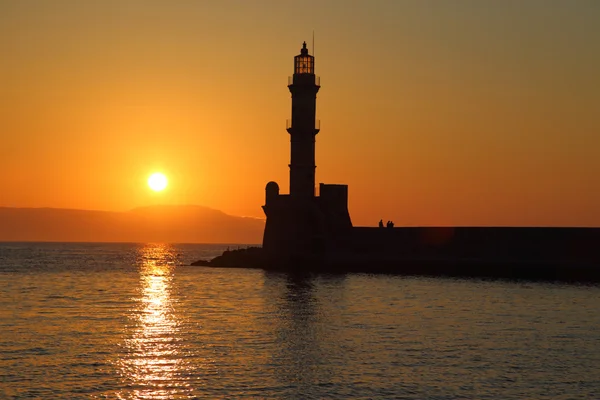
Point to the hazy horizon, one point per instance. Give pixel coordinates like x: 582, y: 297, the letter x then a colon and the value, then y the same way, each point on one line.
x: 138, y: 208
x: 153, y: 224
x: 467, y: 113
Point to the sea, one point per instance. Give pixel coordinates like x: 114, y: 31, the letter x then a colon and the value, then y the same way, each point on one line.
x: 136, y: 321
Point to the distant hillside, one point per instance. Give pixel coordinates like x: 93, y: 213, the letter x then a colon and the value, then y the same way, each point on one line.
x: 173, y: 224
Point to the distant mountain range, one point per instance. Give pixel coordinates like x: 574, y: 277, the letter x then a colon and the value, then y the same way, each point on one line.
x: 172, y: 224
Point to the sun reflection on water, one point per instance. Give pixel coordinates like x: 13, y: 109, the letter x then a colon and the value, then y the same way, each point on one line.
x: 154, y: 366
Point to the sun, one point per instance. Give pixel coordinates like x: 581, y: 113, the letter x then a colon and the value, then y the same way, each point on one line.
x: 157, y: 181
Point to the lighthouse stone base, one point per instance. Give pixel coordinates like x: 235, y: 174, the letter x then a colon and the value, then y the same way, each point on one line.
x: 304, y: 227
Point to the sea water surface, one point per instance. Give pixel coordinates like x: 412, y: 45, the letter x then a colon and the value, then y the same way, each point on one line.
x: 133, y: 321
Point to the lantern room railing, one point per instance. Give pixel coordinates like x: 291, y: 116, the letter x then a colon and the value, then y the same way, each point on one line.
x: 288, y: 124
x: 317, y: 79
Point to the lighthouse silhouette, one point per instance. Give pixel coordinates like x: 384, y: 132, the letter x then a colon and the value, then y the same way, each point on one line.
x: 303, y: 126
x: 302, y: 224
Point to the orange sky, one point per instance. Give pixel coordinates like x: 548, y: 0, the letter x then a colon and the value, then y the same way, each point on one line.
x: 434, y: 113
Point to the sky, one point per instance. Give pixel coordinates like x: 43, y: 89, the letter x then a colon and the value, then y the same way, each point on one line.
x: 433, y: 112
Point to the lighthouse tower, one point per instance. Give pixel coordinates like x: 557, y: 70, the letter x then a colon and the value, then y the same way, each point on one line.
x: 303, y: 127
x: 300, y: 224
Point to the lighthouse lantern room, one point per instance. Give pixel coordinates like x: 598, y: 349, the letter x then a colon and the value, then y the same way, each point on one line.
x: 304, y: 63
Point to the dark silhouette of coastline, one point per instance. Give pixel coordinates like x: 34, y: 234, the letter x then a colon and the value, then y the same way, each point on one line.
x: 306, y: 232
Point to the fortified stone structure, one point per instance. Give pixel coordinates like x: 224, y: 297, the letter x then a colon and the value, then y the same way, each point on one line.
x: 301, y: 223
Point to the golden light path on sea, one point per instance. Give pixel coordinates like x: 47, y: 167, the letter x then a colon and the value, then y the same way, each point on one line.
x: 154, y: 364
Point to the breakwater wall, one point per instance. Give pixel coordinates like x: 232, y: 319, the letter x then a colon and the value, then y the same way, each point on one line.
x: 498, y: 243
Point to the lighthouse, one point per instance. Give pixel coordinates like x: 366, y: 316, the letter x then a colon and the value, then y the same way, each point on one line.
x: 303, y: 127
x: 301, y: 224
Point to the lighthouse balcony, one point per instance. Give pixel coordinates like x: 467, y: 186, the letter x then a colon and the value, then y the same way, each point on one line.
x: 289, y: 127
x: 304, y: 79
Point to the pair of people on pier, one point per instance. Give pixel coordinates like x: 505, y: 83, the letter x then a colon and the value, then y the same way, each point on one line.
x: 389, y: 224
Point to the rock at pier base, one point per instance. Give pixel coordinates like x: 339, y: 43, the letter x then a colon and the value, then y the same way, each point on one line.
x: 201, y: 263
x: 251, y: 257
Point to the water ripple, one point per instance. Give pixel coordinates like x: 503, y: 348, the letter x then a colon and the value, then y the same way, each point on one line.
x: 131, y: 322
